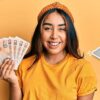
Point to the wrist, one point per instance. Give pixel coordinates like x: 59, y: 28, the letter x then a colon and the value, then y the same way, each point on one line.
x: 14, y: 84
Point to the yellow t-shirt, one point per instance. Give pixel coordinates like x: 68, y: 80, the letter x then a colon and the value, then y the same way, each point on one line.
x: 62, y: 81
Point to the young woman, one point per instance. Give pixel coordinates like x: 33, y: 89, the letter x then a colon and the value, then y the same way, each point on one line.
x: 54, y: 68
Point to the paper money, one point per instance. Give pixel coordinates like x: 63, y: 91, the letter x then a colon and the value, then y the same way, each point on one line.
x: 22, y: 48
x: 10, y: 47
x: 4, y: 49
x: 14, y: 48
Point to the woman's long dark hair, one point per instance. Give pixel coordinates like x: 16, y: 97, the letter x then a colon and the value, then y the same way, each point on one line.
x: 72, y: 46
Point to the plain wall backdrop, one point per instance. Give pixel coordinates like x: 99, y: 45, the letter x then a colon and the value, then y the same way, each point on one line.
x: 19, y: 18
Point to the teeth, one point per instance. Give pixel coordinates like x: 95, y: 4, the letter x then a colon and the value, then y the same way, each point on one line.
x: 54, y: 44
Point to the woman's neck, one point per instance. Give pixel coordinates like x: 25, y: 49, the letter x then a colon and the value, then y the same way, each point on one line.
x: 54, y: 58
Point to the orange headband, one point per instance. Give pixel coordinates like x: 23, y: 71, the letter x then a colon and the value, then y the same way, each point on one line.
x: 55, y: 5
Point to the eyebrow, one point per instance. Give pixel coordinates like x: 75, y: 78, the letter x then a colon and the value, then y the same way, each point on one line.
x: 52, y: 25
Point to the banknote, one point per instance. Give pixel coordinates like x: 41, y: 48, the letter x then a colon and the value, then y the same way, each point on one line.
x: 4, y: 49
x: 10, y: 45
x: 14, y: 48
x: 22, y: 49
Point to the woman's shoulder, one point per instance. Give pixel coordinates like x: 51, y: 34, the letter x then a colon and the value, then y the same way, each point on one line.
x: 83, y: 67
x: 80, y: 61
x: 81, y: 64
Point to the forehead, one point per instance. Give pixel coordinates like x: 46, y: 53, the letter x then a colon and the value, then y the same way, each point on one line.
x: 54, y: 18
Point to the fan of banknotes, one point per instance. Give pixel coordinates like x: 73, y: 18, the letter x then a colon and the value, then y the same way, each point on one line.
x: 14, y: 48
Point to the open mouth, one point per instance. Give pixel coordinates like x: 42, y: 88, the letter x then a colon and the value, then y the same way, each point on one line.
x: 53, y: 45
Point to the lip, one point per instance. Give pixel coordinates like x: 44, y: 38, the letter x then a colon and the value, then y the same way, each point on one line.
x: 53, y: 45
x: 53, y: 41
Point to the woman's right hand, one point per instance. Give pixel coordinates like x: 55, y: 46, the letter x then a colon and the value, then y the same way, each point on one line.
x: 7, y: 72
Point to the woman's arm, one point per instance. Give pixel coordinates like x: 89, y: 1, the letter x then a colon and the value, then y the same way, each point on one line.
x: 7, y: 73
x: 15, y: 92
x: 87, y: 97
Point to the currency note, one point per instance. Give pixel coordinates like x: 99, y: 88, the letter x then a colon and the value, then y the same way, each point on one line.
x: 4, y: 49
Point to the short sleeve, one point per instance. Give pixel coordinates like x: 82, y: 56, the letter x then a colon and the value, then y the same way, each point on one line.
x: 86, y: 82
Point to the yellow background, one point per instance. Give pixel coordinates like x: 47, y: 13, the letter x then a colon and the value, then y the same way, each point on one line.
x: 18, y: 17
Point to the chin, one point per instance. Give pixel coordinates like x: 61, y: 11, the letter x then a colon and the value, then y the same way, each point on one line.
x: 54, y: 52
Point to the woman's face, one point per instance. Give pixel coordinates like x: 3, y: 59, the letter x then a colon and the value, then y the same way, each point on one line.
x: 53, y: 33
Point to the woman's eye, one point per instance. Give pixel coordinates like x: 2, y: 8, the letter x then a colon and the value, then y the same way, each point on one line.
x: 47, y: 28
x: 62, y: 29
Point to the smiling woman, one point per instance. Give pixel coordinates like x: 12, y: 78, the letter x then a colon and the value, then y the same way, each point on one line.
x: 53, y: 35
x: 54, y: 68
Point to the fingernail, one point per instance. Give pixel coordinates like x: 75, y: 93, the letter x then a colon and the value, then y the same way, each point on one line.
x: 7, y: 59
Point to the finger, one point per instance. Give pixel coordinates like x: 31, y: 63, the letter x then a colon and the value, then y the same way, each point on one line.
x: 3, y: 63
x: 6, y: 59
x: 5, y: 67
x: 9, y: 72
x: 10, y: 68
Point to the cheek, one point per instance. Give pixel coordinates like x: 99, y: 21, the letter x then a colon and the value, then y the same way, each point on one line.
x: 64, y: 37
x: 44, y: 36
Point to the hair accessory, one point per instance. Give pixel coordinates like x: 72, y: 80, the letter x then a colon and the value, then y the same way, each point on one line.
x: 55, y: 5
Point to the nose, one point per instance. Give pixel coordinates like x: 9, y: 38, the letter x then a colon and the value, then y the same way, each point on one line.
x: 54, y: 34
